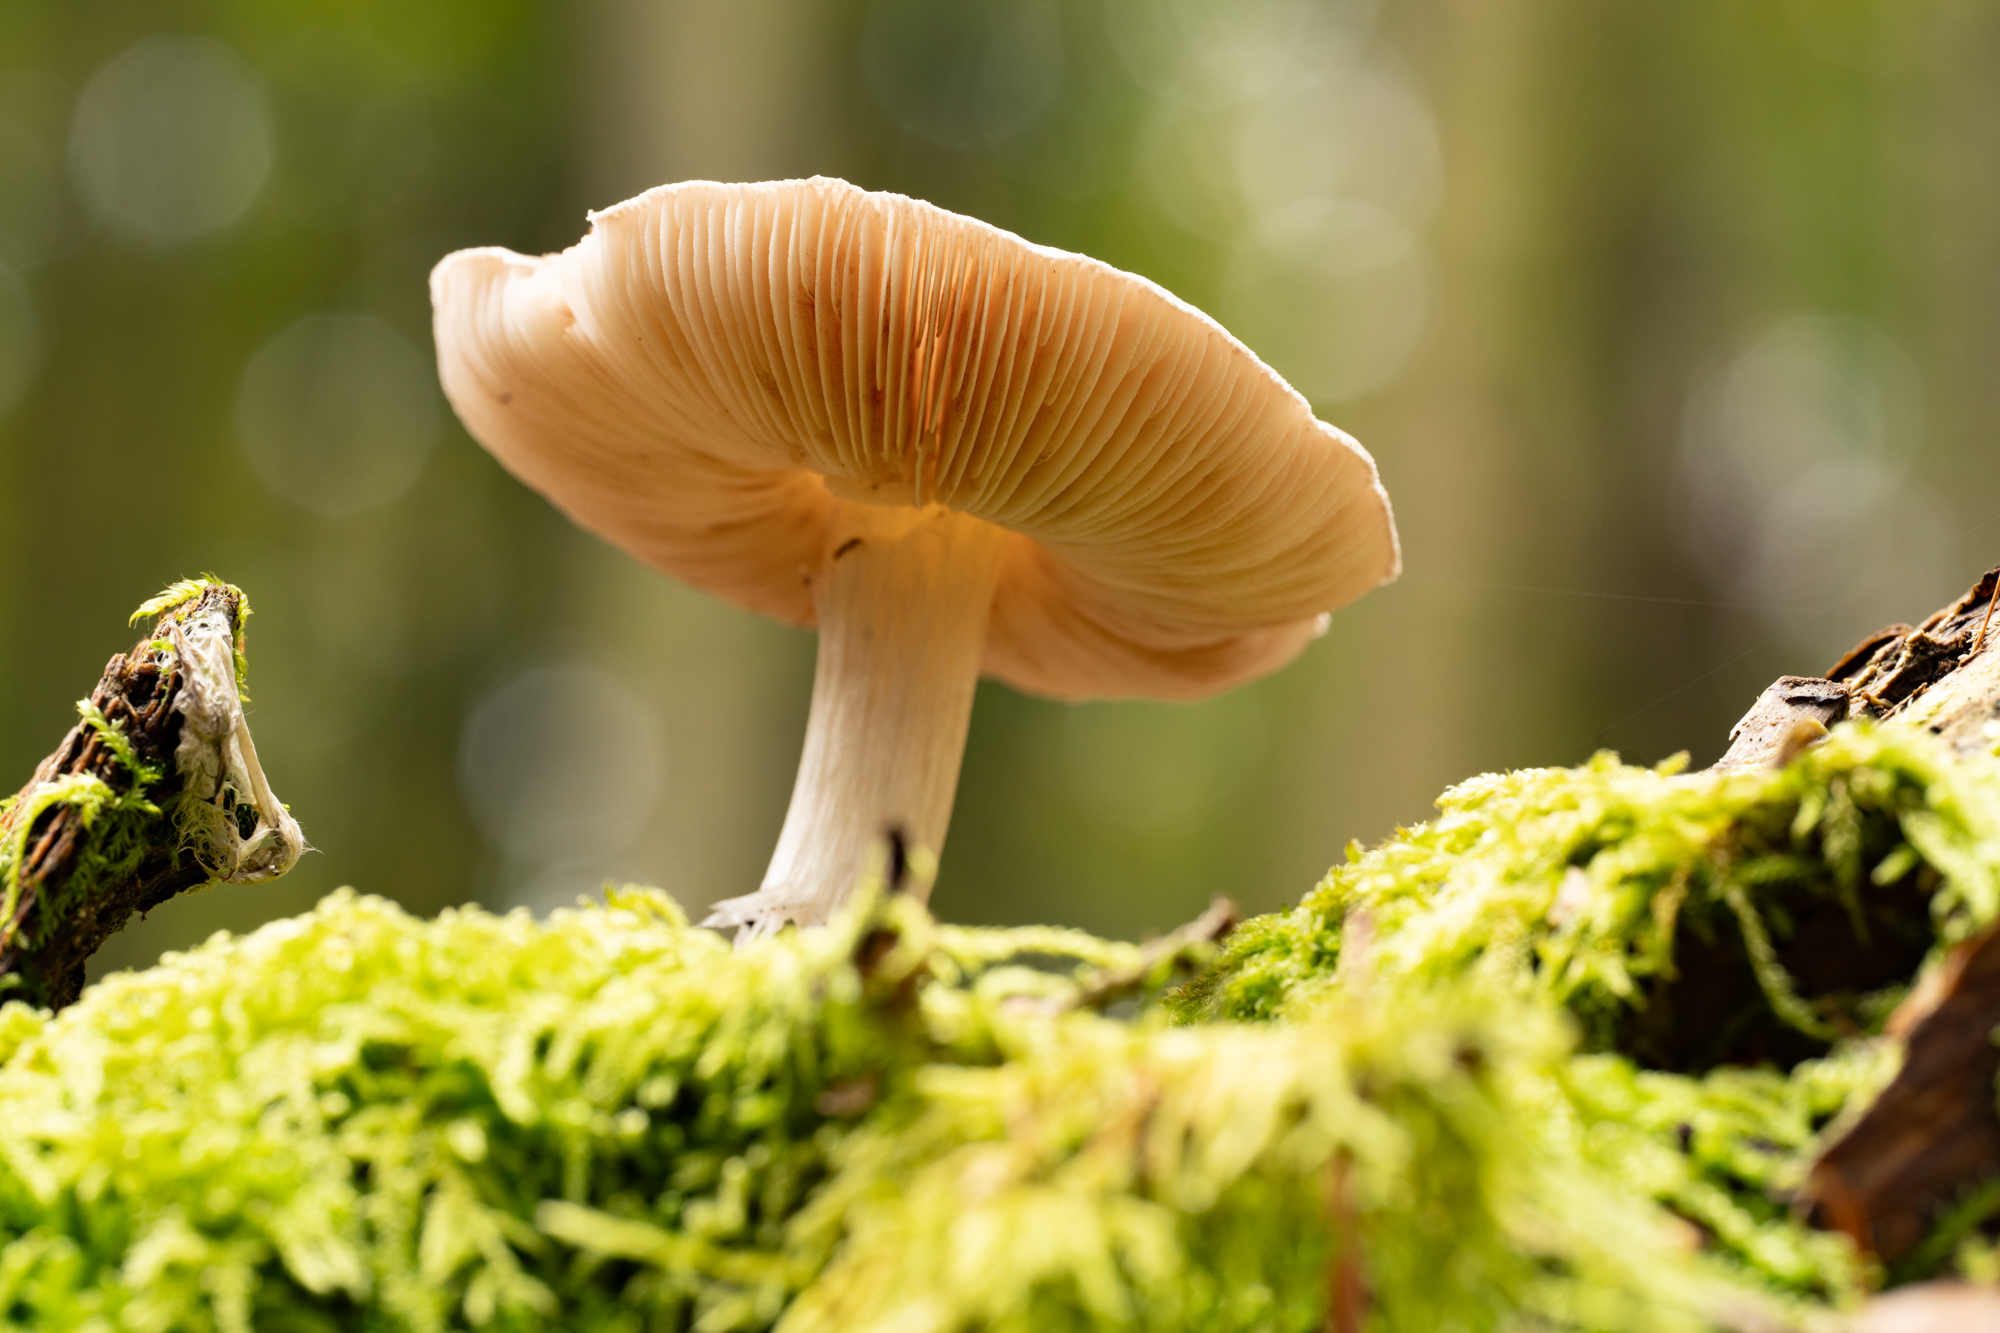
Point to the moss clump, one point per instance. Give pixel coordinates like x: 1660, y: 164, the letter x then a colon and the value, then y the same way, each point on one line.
x: 1728, y: 946
x: 1594, y: 886
x: 612, y: 1121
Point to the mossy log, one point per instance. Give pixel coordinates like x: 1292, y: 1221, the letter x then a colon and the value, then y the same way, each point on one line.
x: 1929, y: 1145
x: 154, y: 792
x: 1577, y: 1055
x: 125, y: 744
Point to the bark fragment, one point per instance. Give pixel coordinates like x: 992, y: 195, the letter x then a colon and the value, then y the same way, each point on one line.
x: 1933, y: 1131
x: 1943, y: 674
x: 1791, y: 713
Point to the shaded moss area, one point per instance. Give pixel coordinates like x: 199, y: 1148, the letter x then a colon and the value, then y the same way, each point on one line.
x: 1727, y: 946
x: 1806, y: 892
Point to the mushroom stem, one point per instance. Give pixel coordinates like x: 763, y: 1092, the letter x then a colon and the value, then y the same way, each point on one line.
x: 902, y: 602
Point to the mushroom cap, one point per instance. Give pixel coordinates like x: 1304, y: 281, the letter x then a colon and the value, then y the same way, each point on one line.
x: 714, y: 371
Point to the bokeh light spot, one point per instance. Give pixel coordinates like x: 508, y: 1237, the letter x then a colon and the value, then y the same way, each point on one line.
x: 558, y: 764
x: 1362, y: 133
x: 338, y: 413
x: 1795, y: 461
x: 1334, y: 297
x: 171, y: 140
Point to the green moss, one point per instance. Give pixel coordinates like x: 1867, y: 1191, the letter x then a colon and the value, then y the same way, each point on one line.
x: 609, y: 1120
x: 1728, y: 945
x: 1441, y: 1083
x: 1108, y: 1176
x: 1592, y: 885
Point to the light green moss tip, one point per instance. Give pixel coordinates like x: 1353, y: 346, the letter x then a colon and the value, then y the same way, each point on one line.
x: 178, y: 595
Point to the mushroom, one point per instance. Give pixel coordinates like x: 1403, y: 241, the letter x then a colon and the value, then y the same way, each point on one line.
x: 952, y: 451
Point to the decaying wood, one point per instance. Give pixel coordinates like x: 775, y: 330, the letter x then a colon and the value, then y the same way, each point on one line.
x: 1789, y: 715
x: 136, y: 695
x: 1933, y: 1131
x: 1943, y: 674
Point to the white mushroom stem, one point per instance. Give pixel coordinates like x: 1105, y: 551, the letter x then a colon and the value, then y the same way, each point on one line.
x: 902, y: 604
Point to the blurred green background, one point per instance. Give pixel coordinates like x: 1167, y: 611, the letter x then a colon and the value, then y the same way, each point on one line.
x: 1672, y: 328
